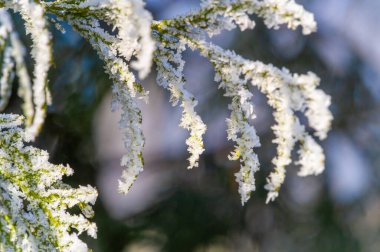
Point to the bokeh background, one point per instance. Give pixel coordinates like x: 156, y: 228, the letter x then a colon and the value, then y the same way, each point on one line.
x: 173, y: 209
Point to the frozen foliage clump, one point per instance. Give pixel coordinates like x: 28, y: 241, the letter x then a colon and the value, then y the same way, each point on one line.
x: 34, y: 202
x: 36, y: 94
x: 131, y: 23
x: 286, y: 92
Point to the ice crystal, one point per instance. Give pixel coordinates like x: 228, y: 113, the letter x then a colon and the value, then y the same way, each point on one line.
x: 133, y: 38
x: 35, y: 204
x: 287, y: 93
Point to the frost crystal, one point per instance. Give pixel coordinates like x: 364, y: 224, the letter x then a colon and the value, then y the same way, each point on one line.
x: 287, y: 93
x: 35, y: 24
x: 35, y: 203
x: 170, y: 76
x: 133, y: 38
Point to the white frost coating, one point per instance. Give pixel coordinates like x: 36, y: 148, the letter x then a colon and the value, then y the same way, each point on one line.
x: 239, y: 129
x: 218, y: 15
x: 25, y: 85
x: 130, y: 124
x: 128, y: 17
x: 7, y: 74
x: 131, y: 37
x: 276, y: 85
x: 316, y: 104
x: 170, y: 75
x: 286, y: 92
x: 15, y: 53
x: 311, y: 157
x: 34, y: 201
x: 36, y: 26
x: 131, y: 24
x: 146, y: 44
x: 6, y: 78
x: 278, y: 12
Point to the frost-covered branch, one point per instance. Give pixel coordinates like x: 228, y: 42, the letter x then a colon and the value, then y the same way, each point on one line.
x: 218, y: 15
x: 286, y: 92
x: 13, y: 51
x: 35, y: 204
x: 133, y: 38
x: 170, y: 66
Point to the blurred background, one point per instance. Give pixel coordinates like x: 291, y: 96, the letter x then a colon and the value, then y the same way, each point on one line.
x: 173, y: 209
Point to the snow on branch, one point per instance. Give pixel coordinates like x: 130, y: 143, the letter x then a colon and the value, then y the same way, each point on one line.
x: 35, y: 204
